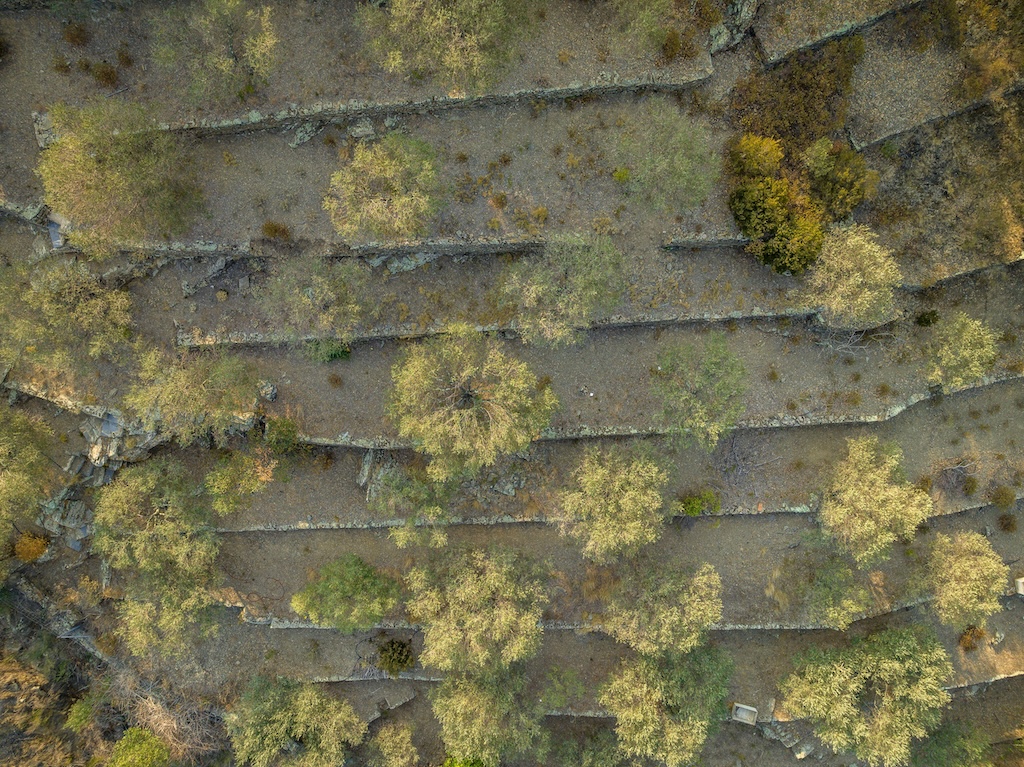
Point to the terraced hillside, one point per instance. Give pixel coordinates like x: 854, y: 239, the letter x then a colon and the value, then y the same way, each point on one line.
x: 520, y: 383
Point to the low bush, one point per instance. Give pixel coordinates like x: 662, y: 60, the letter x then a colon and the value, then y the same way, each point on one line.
x: 237, y: 478
x: 222, y: 49
x: 952, y: 745
x: 390, y: 189
x: 461, y: 43
x: 464, y: 402
x: 347, y: 594
x: 392, y: 747
x: 395, y: 656
x: 694, y: 504
x: 668, y: 27
x: 325, y: 350
x: 1003, y: 497
x: 116, y: 177
x: 407, y: 492
x: 287, y: 724
x: 139, y: 747
x: 27, y: 474
x: 577, y: 277
x: 840, y: 178
x: 308, y: 295
x: 665, y: 708
x: 617, y: 507
x: 29, y: 547
x: 874, y: 697
x: 702, y: 390
x: 834, y: 597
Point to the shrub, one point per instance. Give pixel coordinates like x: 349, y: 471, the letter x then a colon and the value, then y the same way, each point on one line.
x: 312, y: 296
x: 193, y: 395
x: 271, y: 717
x: 395, y: 656
x: 840, y: 178
x: 667, y: 156
x: 29, y: 547
x: 667, y: 26
x: 968, y: 578
x: 666, y: 708
x: 952, y: 745
x: 578, y: 277
x: 480, y: 610
x: 854, y: 279
x: 390, y: 189
x: 702, y: 390
x: 392, y: 747
x: 26, y: 473
x: 326, y: 350
x: 694, y: 504
x: 834, y: 597
x: 659, y: 610
x: 139, y: 748
x: 867, y: 505
x: 1008, y: 523
x: 803, y: 98
x: 618, y: 506
x: 347, y: 594
x: 784, y: 224
x: 1003, y: 497
x: 274, y: 230
x: 222, y: 48
x: 462, y: 43
x: 77, y: 34
x: 104, y: 74
x: 152, y: 525
x: 963, y: 351
x: 407, y: 492
x: 464, y: 402
x: 873, y: 697
x: 970, y: 638
x: 754, y: 156
x: 238, y: 477
x: 281, y: 435
x: 485, y: 720
x: 117, y: 178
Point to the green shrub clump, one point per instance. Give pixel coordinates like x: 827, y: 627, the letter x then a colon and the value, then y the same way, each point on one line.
x: 963, y: 351
x: 656, y: 610
x: 139, y: 747
x: 618, y: 507
x: 694, y: 504
x: 874, y: 697
x: 223, y: 49
x: 286, y: 724
x: 702, y: 390
x: 854, y: 278
x: 309, y: 295
x: 665, y: 708
x: 464, y: 402
x: 868, y: 505
x: 116, y: 177
x: 480, y: 610
x: 390, y: 189
x: 969, y: 577
x: 461, y: 43
x: 834, y: 597
x: 952, y: 745
x: 347, y: 594
x: 666, y: 156
x: 237, y: 478
x: 577, y: 277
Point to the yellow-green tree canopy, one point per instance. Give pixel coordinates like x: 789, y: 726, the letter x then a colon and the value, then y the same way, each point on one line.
x: 968, y: 577
x: 964, y: 350
x: 867, y: 505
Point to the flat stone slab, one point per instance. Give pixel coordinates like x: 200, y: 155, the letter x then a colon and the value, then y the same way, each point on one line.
x: 785, y: 26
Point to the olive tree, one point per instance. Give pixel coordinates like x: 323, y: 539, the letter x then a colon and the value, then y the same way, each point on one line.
x: 389, y: 189
x: 968, y: 576
x: 875, y: 696
x: 26, y: 472
x: 867, y: 505
x: 193, y: 395
x: 116, y: 177
x: 665, y: 708
x: 853, y: 279
x: 465, y: 402
x: 154, y: 525
x: 392, y: 746
x: 287, y: 724
x: 963, y: 351
x: 577, y: 277
x: 238, y: 477
x: 486, y: 719
x: 222, y: 49
x: 480, y: 610
x: 347, y: 594
x: 617, y: 506
x: 702, y: 390
x: 656, y: 609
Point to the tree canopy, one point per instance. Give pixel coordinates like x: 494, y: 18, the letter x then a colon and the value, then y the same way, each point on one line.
x: 347, y: 594
x: 867, y: 505
x: 875, y: 696
x: 969, y: 577
x: 964, y: 350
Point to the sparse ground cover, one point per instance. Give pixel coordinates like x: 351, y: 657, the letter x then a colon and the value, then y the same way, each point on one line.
x: 568, y: 632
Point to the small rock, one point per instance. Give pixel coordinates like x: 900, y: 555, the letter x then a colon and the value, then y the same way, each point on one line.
x: 998, y: 638
x: 988, y: 531
x: 391, y: 122
x: 267, y: 390
x: 362, y: 129
x: 244, y: 282
x: 803, y: 750
x: 187, y: 289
